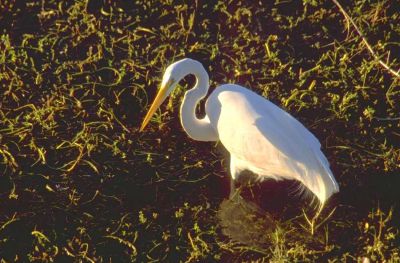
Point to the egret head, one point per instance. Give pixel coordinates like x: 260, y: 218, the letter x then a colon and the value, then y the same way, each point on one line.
x: 173, y: 74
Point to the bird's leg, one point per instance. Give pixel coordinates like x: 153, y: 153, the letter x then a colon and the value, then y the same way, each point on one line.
x: 235, y: 171
x: 233, y: 190
x: 234, y: 195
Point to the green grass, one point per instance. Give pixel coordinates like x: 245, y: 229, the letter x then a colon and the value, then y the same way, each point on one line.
x: 79, y: 182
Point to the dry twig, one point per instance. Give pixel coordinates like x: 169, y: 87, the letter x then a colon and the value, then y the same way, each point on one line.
x: 383, y: 64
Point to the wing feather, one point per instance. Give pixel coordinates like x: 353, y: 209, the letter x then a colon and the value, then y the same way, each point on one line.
x: 269, y: 141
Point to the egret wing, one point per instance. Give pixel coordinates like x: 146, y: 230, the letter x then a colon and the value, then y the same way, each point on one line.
x: 270, y: 142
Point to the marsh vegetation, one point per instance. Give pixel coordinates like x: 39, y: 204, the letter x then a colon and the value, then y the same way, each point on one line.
x: 79, y: 182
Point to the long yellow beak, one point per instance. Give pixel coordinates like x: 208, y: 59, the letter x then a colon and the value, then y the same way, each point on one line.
x: 161, y: 96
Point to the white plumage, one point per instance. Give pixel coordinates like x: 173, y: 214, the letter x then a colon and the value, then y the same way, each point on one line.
x: 259, y: 135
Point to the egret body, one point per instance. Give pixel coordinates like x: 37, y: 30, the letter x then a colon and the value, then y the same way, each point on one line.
x: 260, y: 136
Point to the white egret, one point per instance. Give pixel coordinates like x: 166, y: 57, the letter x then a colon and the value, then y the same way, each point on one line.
x: 260, y: 136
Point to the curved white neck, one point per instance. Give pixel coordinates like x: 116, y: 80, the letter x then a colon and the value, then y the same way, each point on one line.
x: 197, y: 129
